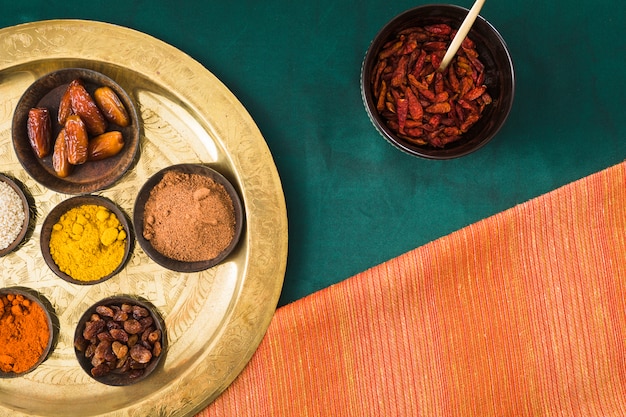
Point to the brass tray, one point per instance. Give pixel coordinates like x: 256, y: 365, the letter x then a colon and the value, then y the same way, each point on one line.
x: 216, y: 318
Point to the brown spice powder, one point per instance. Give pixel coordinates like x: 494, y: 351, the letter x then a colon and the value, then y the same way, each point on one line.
x: 189, y: 217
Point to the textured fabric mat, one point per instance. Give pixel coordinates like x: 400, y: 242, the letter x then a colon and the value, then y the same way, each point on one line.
x: 521, y: 314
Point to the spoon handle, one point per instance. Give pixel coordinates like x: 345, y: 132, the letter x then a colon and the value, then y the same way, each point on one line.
x: 461, y: 34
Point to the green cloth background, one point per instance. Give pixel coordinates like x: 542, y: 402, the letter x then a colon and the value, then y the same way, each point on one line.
x: 353, y: 200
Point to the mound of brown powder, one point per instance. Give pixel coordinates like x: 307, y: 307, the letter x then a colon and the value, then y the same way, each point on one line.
x: 189, y: 217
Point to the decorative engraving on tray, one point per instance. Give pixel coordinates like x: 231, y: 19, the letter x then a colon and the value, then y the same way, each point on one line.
x: 215, y: 318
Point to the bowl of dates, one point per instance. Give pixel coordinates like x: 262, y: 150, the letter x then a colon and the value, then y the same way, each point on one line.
x: 120, y: 340
x: 75, y: 131
x: 429, y: 110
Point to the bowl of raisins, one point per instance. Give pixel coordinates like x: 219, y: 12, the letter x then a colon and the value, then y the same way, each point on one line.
x: 424, y: 109
x: 120, y: 340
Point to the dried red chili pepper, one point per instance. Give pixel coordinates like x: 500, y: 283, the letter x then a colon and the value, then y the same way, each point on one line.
x: 435, y: 46
x: 439, y: 29
x: 400, y: 71
x: 435, y: 59
x: 474, y: 93
x: 427, y: 94
x: 391, y: 50
x: 439, y: 108
x: 419, y: 64
x: 421, y: 104
x: 380, y: 105
x: 410, y: 46
x: 402, y: 108
x: 415, y: 108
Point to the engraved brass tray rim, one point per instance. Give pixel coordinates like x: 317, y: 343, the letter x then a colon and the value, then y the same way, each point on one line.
x: 265, y: 237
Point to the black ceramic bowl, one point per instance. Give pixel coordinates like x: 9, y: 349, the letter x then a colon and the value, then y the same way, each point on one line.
x: 499, y: 79
x: 139, y: 220
x: 50, y: 322
x: 124, y: 368
x: 55, y: 215
x: 93, y: 175
x: 24, y: 227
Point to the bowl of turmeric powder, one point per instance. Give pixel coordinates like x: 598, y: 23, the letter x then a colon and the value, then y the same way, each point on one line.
x: 27, y: 333
x: 86, y: 239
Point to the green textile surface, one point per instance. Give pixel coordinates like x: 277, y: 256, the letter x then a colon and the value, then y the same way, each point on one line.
x: 353, y: 200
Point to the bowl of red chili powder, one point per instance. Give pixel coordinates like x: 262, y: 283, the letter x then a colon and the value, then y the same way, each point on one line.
x: 430, y: 113
x: 27, y: 332
x: 188, y: 217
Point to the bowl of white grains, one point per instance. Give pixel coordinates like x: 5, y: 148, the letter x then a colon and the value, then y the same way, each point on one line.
x: 14, y: 215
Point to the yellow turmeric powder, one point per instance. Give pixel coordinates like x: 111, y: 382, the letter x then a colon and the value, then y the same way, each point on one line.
x: 88, y: 242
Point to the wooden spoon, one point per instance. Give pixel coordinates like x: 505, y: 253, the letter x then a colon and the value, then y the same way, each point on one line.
x: 461, y: 34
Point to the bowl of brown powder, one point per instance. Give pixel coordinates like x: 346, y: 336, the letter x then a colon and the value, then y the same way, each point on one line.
x: 188, y: 217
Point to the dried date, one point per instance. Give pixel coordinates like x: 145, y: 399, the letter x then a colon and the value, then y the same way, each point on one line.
x: 83, y: 120
x: 65, y: 105
x: 39, y: 129
x: 84, y: 106
x: 105, y: 145
x: 111, y: 106
x: 60, y: 162
x: 77, y: 140
x: 418, y: 102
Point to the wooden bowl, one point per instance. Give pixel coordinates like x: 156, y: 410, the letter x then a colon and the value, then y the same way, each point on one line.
x: 20, y: 236
x: 51, y: 322
x: 499, y: 79
x: 93, y: 175
x: 173, y: 264
x: 62, y: 208
x: 120, y: 376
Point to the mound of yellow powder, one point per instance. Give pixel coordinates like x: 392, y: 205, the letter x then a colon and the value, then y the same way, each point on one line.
x: 88, y: 242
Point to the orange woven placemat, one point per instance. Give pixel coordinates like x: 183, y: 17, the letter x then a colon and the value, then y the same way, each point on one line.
x: 520, y: 314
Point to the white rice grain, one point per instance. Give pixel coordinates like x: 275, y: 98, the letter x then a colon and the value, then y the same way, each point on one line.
x: 11, y: 215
